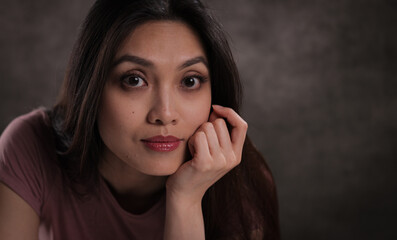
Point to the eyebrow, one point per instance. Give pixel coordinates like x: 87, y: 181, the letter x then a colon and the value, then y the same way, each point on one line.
x: 193, y: 61
x: 133, y: 59
x: 147, y: 63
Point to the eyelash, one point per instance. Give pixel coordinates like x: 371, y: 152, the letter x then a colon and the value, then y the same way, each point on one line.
x: 124, y: 78
x: 200, y: 78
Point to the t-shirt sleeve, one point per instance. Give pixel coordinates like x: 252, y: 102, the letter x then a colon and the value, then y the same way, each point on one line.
x: 20, y: 165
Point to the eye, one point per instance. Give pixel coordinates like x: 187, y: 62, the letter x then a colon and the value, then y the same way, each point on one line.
x: 133, y: 80
x: 192, y: 82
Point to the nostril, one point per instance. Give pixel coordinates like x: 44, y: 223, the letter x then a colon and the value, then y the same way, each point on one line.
x: 163, y: 116
x: 160, y: 122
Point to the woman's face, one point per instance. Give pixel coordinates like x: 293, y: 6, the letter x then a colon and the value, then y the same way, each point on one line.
x: 159, y: 86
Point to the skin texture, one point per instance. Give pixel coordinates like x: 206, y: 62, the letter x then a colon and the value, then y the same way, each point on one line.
x: 163, y: 90
x: 157, y: 103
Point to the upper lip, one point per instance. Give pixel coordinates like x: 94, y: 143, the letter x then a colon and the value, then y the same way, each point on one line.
x: 160, y: 138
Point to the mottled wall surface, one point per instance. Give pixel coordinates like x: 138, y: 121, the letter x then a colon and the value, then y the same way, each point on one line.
x: 320, y: 83
x: 321, y: 100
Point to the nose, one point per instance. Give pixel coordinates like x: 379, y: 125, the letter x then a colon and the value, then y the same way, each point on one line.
x: 163, y: 110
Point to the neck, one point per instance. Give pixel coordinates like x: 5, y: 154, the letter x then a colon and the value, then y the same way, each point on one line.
x: 135, y: 192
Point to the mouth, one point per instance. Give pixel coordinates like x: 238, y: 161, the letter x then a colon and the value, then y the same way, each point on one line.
x: 162, y: 143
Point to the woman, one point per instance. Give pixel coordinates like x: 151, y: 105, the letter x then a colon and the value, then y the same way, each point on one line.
x: 145, y: 141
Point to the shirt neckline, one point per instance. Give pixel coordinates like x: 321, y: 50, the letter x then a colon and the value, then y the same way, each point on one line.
x: 160, y: 204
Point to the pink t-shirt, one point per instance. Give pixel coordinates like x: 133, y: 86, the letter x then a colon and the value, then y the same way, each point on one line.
x: 28, y: 167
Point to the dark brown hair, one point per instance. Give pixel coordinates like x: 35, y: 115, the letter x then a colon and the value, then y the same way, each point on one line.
x: 244, y: 200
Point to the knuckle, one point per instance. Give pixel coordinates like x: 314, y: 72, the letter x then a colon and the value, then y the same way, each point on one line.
x: 234, y: 159
x: 200, y: 135
x: 229, y: 110
x: 207, y: 126
x: 197, y: 138
x: 222, y: 161
x: 220, y: 122
x: 203, y: 166
x: 244, y: 124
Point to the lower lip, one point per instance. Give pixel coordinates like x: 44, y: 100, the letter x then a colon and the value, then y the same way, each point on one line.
x: 162, y: 146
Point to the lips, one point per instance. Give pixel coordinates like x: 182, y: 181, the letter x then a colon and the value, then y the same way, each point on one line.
x: 162, y: 143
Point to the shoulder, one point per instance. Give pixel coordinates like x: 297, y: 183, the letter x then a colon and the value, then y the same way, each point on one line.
x: 26, y: 150
x: 26, y: 125
x: 27, y: 142
x: 26, y: 132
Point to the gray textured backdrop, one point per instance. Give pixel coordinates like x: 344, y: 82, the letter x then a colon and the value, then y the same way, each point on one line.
x: 320, y: 98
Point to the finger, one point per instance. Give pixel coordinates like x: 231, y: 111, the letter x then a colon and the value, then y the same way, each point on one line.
x: 213, y: 117
x: 190, y: 144
x: 239, y: 126
x: 212, y: 138
x: 202, y: 153
x: 223, y: 134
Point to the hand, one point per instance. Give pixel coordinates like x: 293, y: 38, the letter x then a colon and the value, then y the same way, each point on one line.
x: 215, y: 152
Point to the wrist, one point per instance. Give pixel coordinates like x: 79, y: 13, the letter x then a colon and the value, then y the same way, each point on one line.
x: 184, y: 218
x: 183, y: 201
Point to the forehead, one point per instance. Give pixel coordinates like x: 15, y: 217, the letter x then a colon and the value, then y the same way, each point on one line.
x: 162, y: 41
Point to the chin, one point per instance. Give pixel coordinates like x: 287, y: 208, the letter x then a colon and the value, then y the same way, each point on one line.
x: 161, y: 172
x: 163, y: 167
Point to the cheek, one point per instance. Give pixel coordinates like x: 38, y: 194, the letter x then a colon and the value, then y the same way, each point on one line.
x: 198, y: 112
x: 115, y: 114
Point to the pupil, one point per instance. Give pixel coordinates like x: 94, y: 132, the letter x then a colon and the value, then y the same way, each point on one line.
x: 133, y: 81
x: 189, y: 82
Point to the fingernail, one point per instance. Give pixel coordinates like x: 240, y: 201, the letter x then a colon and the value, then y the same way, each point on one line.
x: 217, y: 106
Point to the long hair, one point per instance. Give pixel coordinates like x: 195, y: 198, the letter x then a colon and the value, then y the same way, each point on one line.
x: 238, y: 205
